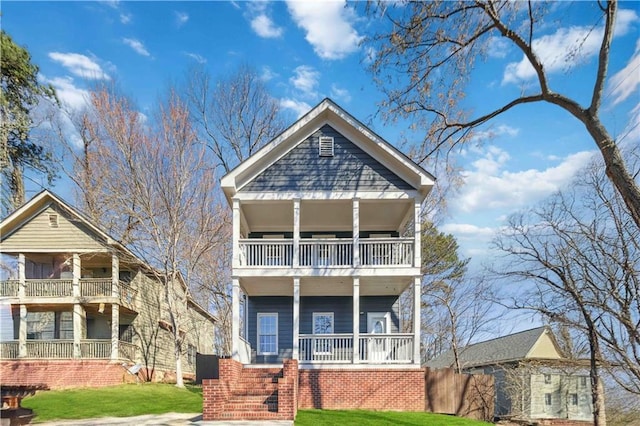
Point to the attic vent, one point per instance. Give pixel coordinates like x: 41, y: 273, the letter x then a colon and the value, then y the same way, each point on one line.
x: 53, y: 220
x: 326, y: 146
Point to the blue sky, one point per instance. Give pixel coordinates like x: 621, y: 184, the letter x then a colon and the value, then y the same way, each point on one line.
x: 306, y: 51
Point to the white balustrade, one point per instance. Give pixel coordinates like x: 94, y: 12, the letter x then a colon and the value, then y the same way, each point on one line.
x: 386, y: 251
x: 326, y: 252
x: 9, y: 288
x: 325, y: 348
x: 386, y: 348
x: 9, y: 349
x: 95, y: 348
x: 50, y: 348
x: 265, y: 253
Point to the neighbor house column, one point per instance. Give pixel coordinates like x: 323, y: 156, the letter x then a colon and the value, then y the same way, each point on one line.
x: 236, y: 234
x: 296, y: 233
x: 235, y: 318
x: 356, y: 232
x: 296, y: 317
x: 22, y: 326
x: 417, y: 293
x: 115, y: 307
x: 78, y: 311
x: 356, y: 320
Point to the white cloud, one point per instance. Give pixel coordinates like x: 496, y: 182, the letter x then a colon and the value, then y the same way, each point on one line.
x: 566, y: 48
x: 626, y: 81
x: 329, y: 26
x: 467, y: 229
x: 181, y: 18
x: 494, y: 132
x: 340, y: 94
x: 198, y: 58
x: 68, y: 93
x: 631, y: 133
x: 125, y: 18
x: 264, y: 27
x: 137, y: 46
x: 305, y: 80
x: 489, y: 186
x: 267, y: 74
x: 80, y: 65
x: 497, y: 47
x: 299, y: 107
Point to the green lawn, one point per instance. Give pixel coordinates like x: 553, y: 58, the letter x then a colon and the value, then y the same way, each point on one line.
x: 154, y: 398
x: 114, y: 401
x: 366, y: 418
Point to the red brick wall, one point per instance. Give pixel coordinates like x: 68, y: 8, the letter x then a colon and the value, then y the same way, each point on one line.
x: 288, y: 390
x: 562, y: 422
x: 371, y: 389
x: 215, y: 392
x: 59, y: 374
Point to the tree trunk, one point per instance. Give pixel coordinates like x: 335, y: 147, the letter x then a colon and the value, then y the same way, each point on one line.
x: 178, y: 352
x: 16, y: 186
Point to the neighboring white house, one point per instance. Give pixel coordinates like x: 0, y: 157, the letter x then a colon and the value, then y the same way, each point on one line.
x: 533, y: 380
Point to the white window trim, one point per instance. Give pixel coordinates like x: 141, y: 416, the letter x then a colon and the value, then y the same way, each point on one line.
x: 323, y: 347
x: 386, y: 315
x: 324, y: 314
x: 261, y: 315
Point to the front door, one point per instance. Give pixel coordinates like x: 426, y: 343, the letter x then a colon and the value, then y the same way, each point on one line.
x: 377, y: 323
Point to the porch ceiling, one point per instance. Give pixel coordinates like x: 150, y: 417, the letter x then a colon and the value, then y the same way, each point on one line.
x: 324, y: 286
x: 326, y: 215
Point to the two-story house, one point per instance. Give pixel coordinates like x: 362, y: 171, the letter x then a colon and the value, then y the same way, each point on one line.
x: 326, y: 237
x: 82, y: 305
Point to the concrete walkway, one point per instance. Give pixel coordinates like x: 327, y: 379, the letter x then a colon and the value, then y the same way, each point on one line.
x: 168, y: 419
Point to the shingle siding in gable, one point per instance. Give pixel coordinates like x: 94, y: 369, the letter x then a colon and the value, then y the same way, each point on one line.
x: 303, y: 169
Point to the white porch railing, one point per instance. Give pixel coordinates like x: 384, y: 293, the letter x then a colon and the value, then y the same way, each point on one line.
x: 327, y: 252
x: 264, y: 253
x: 95, y: 287
x: 325, y: 348
x: 48, y: 288
x: 9, y: 288
x: 386, y: 348
x: 387, y: 251
x: 63, y: 349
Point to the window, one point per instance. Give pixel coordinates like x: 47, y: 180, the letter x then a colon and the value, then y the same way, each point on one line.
x: 583, y: 381
x: 40, y: 325
x: 547, y: 399
x: 574, y: 398
x: 65, y: 320
x: 267, y: 334
x: 326, y: 146
x: 191, y: 354
x: 323, y: 324
x: 53, y: 220
x: 547, y: 379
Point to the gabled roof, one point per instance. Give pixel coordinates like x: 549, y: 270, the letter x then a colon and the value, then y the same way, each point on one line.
x: 513, y: 347
x: 328, y: 112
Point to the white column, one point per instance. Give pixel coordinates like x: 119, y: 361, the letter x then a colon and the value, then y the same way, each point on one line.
x: 417, y: 293
x: 115, y: 275
x: 236, y: 233
x: 78, y: 328
x: 235, y: 319
x: 296, y: 233
x: 417, y: 234
x: 296, y: 317
x: 22, y: 332
x: 75, y: 273
x: 356, y: 232
x: 22, y: 326
x: 356, y: 320
x: 115, y: 329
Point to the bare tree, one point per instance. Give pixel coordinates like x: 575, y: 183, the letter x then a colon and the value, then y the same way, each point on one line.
x: 235, y: 115
x: 578, y: 253
x: 424, y: 62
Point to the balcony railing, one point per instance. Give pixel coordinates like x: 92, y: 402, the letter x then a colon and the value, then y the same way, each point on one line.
x: 89, y: 287
x: 372, y: 348
x: 330, y: 252
x: 63, y: 349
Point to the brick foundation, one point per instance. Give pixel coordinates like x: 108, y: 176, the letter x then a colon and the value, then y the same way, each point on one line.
x: 60, y: 374
x: 369, y: 389
x: 561, y: 422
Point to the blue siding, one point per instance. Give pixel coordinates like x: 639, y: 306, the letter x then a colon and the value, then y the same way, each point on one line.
x: 349, y: 169
x: 341, y: 306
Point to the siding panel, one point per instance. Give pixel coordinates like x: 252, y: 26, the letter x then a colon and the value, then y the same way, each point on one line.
x: 349, y: 169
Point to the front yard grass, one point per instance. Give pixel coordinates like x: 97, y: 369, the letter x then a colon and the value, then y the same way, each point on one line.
x: 370, y: 418
x: 114, y: 401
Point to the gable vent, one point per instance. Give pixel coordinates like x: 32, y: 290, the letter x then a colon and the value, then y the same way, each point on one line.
x: 326, y: 146
x: 53, y: 220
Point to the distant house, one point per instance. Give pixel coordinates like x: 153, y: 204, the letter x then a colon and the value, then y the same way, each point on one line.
x: 326, y: 237
x: 83, y: 305
x: 532, y: 378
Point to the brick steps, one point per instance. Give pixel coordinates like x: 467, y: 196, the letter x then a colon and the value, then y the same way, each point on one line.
x: 254, y: 396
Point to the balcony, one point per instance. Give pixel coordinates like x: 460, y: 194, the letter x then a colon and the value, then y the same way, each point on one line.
x: 89, y: 288
x: 372, y: 348
x: 63, y: 349
x: 329, y: 252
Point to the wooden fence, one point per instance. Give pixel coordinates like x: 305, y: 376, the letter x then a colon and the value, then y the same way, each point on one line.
x: 465, y: 395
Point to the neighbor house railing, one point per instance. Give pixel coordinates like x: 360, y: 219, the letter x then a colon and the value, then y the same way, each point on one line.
x: 9, y: 288
x: 95, y: 287
x: 329, y: 252
x: 63, y: 349
x: 48, y: 288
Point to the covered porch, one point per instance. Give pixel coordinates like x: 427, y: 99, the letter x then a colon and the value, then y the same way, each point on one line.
x: 326, y: 320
